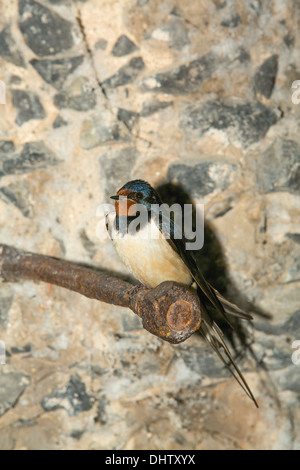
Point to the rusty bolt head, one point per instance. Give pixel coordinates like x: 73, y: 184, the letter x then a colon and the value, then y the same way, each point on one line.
x: 170, y: 311
x: 179, y: 315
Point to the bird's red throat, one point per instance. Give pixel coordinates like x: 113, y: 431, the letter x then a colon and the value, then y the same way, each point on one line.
x: 123, y: 205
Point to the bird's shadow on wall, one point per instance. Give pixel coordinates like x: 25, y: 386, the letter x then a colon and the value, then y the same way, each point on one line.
x: 211, y: 261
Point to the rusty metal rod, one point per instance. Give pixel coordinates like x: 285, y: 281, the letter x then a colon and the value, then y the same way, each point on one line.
x: 170, y: 311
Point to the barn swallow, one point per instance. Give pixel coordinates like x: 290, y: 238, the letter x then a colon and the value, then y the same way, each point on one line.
x: 160, y: 258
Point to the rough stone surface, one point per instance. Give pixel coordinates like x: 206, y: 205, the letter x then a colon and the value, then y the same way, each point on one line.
x: 59, y: 122
x: 28, y: 106
x: 265, y: 76
x: 200, y: 179
x: 18, y: 195
x: 33, y: 155
x: 244, y: 122
x: 97, y: 130
x: 231, y: 21
x: 73, y: 398
x: 184, y: 79
x: 196, y: 98
x: 174, y: 33
x: 44, y: 31
x: 129, y: 118
x: 114, y: 166
x: 6, y: 300
x: 79, y: 96
x: 153, y: 106
x: 126, y: 74
x: 12, y: 385
x: 123, y: 46
x: 8, y: 48
x: 279, y: 167
x: 56, y: 71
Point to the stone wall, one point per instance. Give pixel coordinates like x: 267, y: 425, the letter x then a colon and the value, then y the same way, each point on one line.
x: 194, y: 97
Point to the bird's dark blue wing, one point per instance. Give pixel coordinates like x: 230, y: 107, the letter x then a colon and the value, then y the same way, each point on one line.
x: 178, y: 244
x: 208, y: 327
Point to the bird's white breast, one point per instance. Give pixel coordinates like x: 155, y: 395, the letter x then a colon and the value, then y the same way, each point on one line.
x: 149, y: 256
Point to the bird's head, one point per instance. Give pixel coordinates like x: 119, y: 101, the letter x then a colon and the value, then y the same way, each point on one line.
x: 135, y: 192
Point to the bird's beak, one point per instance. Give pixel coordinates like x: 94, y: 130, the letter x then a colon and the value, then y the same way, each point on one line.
x: 122, y: 193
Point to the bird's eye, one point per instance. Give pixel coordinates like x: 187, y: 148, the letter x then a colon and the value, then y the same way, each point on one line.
x: 139, y: 195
